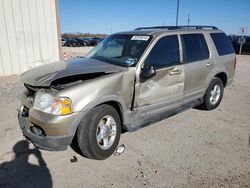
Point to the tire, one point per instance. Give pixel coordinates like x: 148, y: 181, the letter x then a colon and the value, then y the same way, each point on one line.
x: 216, y: 88
x: 95, y: 125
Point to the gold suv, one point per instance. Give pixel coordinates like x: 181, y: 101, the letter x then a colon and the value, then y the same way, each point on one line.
x: 130, y: 80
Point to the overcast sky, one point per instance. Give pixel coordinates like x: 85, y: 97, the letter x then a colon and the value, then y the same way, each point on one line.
x: 99, y: 16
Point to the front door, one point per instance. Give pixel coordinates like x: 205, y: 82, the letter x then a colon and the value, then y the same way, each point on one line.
x: 166, y: 87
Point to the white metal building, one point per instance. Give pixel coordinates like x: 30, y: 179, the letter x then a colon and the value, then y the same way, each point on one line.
x: 29, y: 34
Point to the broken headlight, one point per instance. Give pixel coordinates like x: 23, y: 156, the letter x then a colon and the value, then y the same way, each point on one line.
x: 47, y: 103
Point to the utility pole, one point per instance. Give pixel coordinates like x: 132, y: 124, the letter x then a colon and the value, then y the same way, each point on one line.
x: 177, y: 13
x: 189, y: 19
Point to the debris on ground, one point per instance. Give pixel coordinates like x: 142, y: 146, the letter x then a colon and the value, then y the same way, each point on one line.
x: 74, y: 160
x: 119, y: 150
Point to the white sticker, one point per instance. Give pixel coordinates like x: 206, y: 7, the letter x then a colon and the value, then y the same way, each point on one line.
x: 145, y: 38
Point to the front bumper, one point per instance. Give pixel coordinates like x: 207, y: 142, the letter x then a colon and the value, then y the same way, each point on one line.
x: 46, y: 142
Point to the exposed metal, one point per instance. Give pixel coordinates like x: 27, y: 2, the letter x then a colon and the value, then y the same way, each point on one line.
x: 28, y: 34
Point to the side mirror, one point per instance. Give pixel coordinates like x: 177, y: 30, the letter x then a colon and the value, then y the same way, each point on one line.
x: 148, y: 72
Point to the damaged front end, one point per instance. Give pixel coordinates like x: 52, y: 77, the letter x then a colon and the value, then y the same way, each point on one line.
x: 45, y: 130
x: 69, y: 81
x: 48, y: 115
x: 77, y: 68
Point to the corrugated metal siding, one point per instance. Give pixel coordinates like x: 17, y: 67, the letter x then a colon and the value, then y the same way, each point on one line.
x: 28, y: 34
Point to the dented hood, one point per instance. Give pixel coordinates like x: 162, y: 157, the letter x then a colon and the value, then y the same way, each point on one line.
x: 44, y: 75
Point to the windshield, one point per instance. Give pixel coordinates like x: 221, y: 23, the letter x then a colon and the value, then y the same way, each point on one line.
x: 122, y: 50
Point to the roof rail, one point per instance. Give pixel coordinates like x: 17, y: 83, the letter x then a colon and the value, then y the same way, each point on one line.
x: 179, y: 27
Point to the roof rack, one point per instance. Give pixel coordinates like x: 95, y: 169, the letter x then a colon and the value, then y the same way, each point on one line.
x: 179, y: 27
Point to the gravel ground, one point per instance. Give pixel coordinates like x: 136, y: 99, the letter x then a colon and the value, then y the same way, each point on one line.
x: 75, y: 51
x: 192, y: 149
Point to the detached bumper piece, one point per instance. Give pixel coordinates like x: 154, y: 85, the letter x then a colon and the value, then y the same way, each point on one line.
x: 37, y: 136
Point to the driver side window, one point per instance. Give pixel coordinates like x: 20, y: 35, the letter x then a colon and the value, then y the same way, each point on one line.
x: 165, y: 53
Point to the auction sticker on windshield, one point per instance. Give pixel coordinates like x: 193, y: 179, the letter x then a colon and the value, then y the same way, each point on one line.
x: 145, y: 38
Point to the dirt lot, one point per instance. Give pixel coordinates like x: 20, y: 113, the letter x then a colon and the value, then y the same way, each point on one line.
x: 74, y: 52
x: 192, y: 149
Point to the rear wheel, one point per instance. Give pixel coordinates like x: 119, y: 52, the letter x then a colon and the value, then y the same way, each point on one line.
x: 99, y: 132
x: 213, y: 95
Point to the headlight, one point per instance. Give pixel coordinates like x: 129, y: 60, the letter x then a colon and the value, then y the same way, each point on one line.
x: 43, y: 102
x: 47, y: 103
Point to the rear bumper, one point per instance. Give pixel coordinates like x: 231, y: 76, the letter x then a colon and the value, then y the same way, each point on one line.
x: 51, y: 143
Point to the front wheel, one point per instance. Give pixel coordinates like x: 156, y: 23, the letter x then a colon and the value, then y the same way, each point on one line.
x: 213, y: 95
x: 99, y: 132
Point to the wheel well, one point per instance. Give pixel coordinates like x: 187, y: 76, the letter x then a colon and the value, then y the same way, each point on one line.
x: 118, y: 108
x: 223, y: 77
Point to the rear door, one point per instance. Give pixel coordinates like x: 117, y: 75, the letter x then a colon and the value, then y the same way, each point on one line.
x: 198, y: 64
x: 166, y: 87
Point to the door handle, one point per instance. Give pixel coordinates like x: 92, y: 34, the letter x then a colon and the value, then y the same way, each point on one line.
x: 209, y: 64
x: 175, y: 72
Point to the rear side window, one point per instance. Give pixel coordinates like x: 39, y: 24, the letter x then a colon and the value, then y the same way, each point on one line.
x: 194, y: 47
x: 222, y: 43
x: 165, y: 52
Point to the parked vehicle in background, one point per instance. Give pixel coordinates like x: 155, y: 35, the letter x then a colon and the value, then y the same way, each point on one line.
x: 63, y: 41
x: 71, y: 43
x: 93, y: 42
x: 81, y: 42
x: 86, y: 40
x: 75, y: 42
x: 130, y: 80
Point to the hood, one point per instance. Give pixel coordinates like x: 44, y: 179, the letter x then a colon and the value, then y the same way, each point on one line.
x: 44, y: 75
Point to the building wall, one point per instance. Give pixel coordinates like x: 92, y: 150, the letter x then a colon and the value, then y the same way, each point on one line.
x: 28, y: 34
